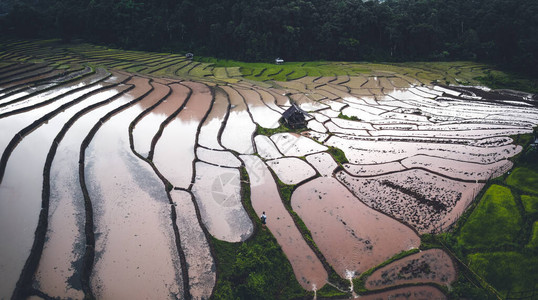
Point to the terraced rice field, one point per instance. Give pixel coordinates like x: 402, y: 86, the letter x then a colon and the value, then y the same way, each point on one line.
x: 119, y: 167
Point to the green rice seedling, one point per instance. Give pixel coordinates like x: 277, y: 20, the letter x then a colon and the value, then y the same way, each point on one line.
x: 496, y: 221
x: 233, y: 71
x: 530, y: 203
x: 506, y: 271
x: 533, y: 242
x: 525, y: 179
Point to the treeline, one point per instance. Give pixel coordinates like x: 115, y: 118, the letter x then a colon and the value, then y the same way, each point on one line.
x: 504, y: 32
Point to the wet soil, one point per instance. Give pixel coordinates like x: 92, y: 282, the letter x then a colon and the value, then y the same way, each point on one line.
x: 419, y: 198
x: 432, y: 265
x: 415, y: 292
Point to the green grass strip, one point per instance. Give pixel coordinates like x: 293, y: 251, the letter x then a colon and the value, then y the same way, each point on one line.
x: 496, y: 221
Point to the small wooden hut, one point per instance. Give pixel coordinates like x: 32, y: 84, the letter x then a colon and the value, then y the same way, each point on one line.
x: 294, y: 117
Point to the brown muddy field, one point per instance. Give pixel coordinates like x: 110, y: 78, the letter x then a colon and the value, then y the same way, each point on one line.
x: 432, y: 265
x: 351, y: 235
x: 112, y: 185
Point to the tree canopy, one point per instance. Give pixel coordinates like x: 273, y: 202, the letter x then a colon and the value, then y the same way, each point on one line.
x: 501, y: 31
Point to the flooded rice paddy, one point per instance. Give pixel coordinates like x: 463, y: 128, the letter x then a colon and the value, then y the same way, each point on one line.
x: 112, y: 185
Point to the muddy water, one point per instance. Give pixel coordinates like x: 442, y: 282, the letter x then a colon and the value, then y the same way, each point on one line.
x: 20, y: 192
x: 201, y: 266
x: 323, y: 162
x: 452, y: 134
x: 338, y: 93
x: 356, y: 81
x: 415, y: 292
x: 209, y: 132
x: 362, y: 115
x: 368, y: 151
x: 281, y: 99
x: 220, y: 158
x: 352, y: 124
x: 30, y: 80
x: 217, y: 192
x: 265, y: 198
x: 458, y: 169
x: 344, y: 131
x: 141, y: 134
x: 266, y: 148
x: 148, y: 126
x: 291, y: 170
x: 47, y: 95
x: 323, y: 92
x: 261, y: 114
x: 316, y: 126
x: 307, y: 104
x: 269, y: 100
x: 421, y: 199
x: 350, y: 235
x: 58, y: 274
x: 237, y: 134
x: 136, y: 253
x: 373, y: 170
x: 330, y: 113
x: 174, y: 151
x: 13, y: 124
x: 317, y: 136
x: 432, y: 265
x: 292, y: 144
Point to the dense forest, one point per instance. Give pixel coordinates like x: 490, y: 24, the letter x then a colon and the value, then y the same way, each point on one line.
x: 504, y: 32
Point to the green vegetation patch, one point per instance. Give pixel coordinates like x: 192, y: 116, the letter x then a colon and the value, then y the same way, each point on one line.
x: 280, y: 129
x: 525, y: 179
x: 495, y: 221
x: 530, y: 203
x: 533, y: 243
x: 500, y: 80
x: 328, y: 291
x: 338, y: 155
x: 255, y: 269
x: 506, y: 271
x: 346, y: 117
